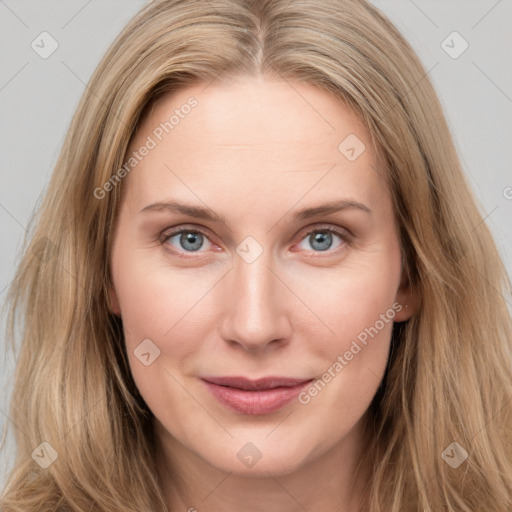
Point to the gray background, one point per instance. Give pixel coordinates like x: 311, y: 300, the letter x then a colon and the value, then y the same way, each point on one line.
x: 38, y: 97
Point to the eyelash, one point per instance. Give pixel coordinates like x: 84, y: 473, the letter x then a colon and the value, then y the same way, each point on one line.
x: 165, y: 236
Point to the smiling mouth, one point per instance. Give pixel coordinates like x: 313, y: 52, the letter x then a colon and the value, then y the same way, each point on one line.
x: 254, y: 397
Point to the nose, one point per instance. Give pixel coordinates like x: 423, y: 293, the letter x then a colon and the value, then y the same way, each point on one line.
x: 255, y: 314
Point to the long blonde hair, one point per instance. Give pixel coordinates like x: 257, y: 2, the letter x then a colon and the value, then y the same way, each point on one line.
x: 449, y: 375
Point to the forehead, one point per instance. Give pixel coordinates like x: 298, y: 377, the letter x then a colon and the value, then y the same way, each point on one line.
x: 258, y: 135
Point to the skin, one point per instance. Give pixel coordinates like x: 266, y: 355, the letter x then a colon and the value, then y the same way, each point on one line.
x: 256, y: 150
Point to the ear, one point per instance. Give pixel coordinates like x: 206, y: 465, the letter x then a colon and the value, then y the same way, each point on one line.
x: 114, y: 303
x: 408, y: 298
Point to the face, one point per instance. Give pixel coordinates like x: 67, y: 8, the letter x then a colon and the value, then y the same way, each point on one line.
x: 257, y: 271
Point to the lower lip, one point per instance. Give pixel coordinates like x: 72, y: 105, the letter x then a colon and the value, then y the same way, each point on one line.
x: 255, y: 402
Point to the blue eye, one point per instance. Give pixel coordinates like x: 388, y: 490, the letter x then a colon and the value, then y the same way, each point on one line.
x: 188, y: 240
x: 321, y: 239
x: 184, y: 240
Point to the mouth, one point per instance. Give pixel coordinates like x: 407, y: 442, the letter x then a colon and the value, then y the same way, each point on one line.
x: 254, y: 397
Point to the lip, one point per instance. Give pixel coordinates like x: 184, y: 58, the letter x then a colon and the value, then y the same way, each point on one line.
x: 261, y: 396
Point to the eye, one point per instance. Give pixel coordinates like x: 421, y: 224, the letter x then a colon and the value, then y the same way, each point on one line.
x: 322, y: 238
x: 185, y: 240
x: 188, y: 240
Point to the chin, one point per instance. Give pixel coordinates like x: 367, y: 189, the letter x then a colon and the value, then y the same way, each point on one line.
x: 259, y: 457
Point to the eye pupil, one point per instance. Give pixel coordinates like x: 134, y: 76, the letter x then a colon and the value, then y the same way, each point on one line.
x: 323, y: 238
x: 195, y: 239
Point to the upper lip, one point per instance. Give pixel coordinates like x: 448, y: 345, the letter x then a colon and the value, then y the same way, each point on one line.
x: 257, y: 384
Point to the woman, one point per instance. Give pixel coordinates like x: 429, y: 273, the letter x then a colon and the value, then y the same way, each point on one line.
x: 259, y: 280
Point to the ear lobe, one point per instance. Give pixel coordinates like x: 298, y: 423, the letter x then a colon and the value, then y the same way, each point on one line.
x: 408, y: 297
x: 114, y: 303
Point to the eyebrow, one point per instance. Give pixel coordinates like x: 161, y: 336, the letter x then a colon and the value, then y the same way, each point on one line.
x: 207, y: 214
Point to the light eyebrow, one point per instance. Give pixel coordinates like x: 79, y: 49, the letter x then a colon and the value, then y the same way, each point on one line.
x: 186, y: 209
x: 209, y: 215
x: 331, y: 207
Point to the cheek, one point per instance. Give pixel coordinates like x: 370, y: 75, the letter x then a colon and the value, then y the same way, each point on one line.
x: 345, y: 304
x: 161, y: 312
x: 356, y: 308
x: 160, y: 305
x: 355, y: 355
x: 351, y: 363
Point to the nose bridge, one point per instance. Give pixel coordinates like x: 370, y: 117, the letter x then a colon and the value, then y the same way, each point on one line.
x: 255, y: 315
